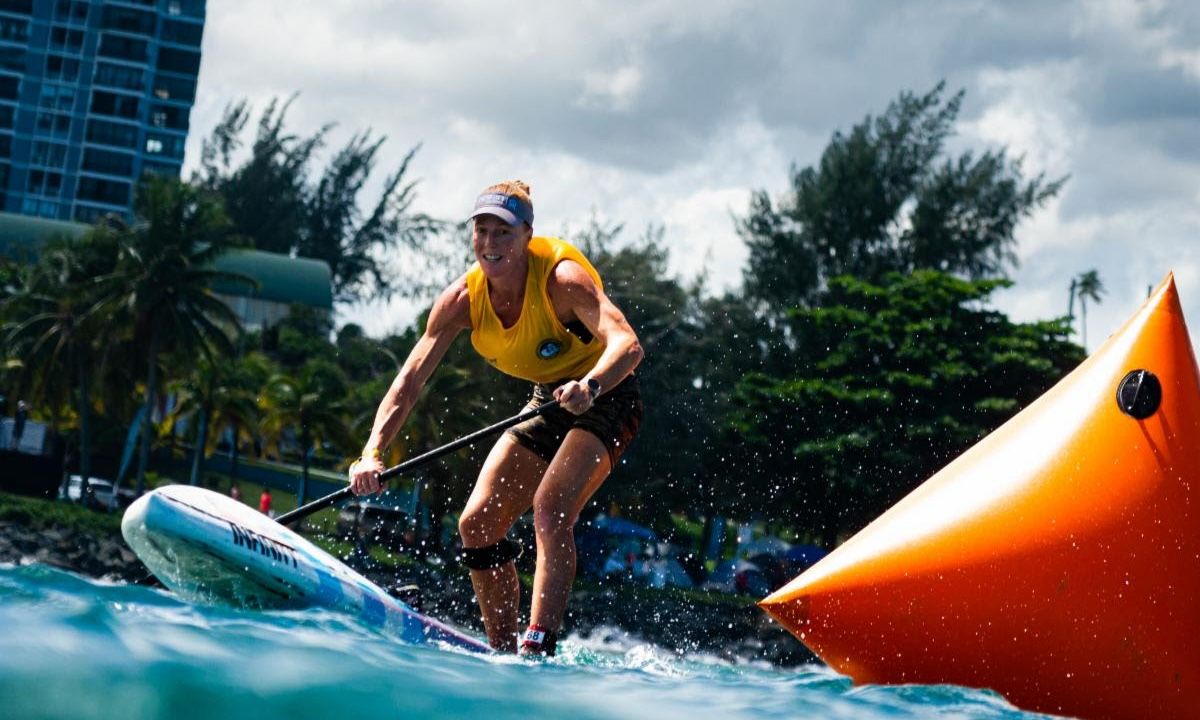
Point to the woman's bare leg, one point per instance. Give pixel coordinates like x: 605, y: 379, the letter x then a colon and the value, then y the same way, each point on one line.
x: 504, y: 491
x: 577, y: 471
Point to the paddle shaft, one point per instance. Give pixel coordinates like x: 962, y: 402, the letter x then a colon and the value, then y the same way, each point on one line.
x: 414, y: 463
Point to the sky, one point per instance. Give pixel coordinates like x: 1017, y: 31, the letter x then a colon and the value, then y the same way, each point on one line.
x: 672, y: 113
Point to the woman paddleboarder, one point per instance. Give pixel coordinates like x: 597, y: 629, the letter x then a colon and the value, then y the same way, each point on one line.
x: 536, y: 310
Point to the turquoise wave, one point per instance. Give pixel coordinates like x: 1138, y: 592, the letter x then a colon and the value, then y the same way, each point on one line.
x: 71, y: 647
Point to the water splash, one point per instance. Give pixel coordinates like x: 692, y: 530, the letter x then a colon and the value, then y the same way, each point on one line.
x: 77, y: 648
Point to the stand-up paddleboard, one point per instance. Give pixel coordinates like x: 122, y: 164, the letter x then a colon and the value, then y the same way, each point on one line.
x: 208, y: 547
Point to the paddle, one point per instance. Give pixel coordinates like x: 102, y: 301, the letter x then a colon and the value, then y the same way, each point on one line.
x: 411, y: 464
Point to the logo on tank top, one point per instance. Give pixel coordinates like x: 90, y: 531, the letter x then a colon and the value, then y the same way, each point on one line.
x: 548, y: 349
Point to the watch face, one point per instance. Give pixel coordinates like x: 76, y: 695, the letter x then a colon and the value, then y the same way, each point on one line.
x: 594, y: 386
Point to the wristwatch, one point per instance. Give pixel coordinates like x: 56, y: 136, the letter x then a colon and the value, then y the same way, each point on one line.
x: 593, y: 386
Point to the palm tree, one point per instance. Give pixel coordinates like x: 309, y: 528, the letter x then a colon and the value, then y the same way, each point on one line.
x: 213, y: 397
x: 54, y: 328
x: 1087, y: 286
x: 193, y: 402
x: 162, y: 283
x: 309, y: 404
x: 235, y: 404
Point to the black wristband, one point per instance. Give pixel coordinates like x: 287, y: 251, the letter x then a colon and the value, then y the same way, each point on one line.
x: 593, y: 386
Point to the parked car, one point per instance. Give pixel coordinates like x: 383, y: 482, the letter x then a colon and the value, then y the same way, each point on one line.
x: 101, y: 491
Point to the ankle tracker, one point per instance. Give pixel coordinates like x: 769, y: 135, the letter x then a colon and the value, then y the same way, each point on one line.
x: 537, y: 640
x: 490, y: 556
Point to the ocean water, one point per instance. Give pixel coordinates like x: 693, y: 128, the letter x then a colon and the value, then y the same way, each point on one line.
x: 71, y: 647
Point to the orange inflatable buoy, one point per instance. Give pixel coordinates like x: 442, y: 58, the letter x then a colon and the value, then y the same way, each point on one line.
x: 1056, y: 562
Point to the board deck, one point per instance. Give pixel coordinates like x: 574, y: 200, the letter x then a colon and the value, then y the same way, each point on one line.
x: 211, y: 548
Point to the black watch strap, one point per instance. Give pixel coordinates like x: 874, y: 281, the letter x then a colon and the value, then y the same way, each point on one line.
x: 593, y: 386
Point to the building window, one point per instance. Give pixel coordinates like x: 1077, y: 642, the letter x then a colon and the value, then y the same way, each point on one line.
x: 110, y: 133
x: 124, y: 106
x: 74, y: 12
x: 39, y: 206
x: 118, y: 76
x: 10, y: 87
x: 21, y: 7
x: 53, y: 124
x: 13, y: 59
x: 124, y: 48
x: 14, y: 30
x: 65, y: 39
x: 62, y: 68
x: 137, y: 22
x: 167, y: 87
x: 5, y: 145
x: 110, y: 192
x: 167, y: 116
x: 50, y: 154
x: 57, y: 97
x: 8, y: 115
x: 45, y: 183
x: 182, y: 32
x: 108, y: 162
x: 166, y: 145
x: 184, y: 62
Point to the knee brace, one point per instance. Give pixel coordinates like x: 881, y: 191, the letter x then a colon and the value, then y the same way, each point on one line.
x: 490, y: 556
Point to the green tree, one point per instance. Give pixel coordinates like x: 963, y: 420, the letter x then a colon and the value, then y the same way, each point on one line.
x: 236, y: 405
x: 276, y: 198
x: 662, y: 310
x: 54, y: 328
x: 890, y: 382
x: 885, y: 198
x: 696, y: 348
x: 302, y: 335
x: 220, y: 393
x: 307, y: 409
x: 364, y: 358
x: 160, y: 288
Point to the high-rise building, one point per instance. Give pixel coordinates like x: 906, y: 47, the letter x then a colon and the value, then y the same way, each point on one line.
x: 92, y: 95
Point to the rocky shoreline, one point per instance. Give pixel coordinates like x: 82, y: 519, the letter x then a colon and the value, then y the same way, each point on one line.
x: 729, y: 630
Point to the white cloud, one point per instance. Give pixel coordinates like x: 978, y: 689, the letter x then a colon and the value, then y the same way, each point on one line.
x: 615, y: 91
x: 1029, y: 111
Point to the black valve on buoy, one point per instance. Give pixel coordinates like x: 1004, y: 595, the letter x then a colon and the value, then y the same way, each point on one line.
x: 1139, y: 394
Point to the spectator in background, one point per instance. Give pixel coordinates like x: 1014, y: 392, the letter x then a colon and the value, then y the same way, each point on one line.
x: 235, y: 492
x: 264, y: 501
x: 19, y: 424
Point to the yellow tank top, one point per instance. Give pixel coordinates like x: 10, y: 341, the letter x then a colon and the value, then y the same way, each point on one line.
x: 537, y: 347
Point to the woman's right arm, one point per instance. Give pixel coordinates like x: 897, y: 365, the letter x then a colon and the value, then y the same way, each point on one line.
x: 451, y: 314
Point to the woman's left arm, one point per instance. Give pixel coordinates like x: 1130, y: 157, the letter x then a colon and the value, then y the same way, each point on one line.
x: 575, y: 296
